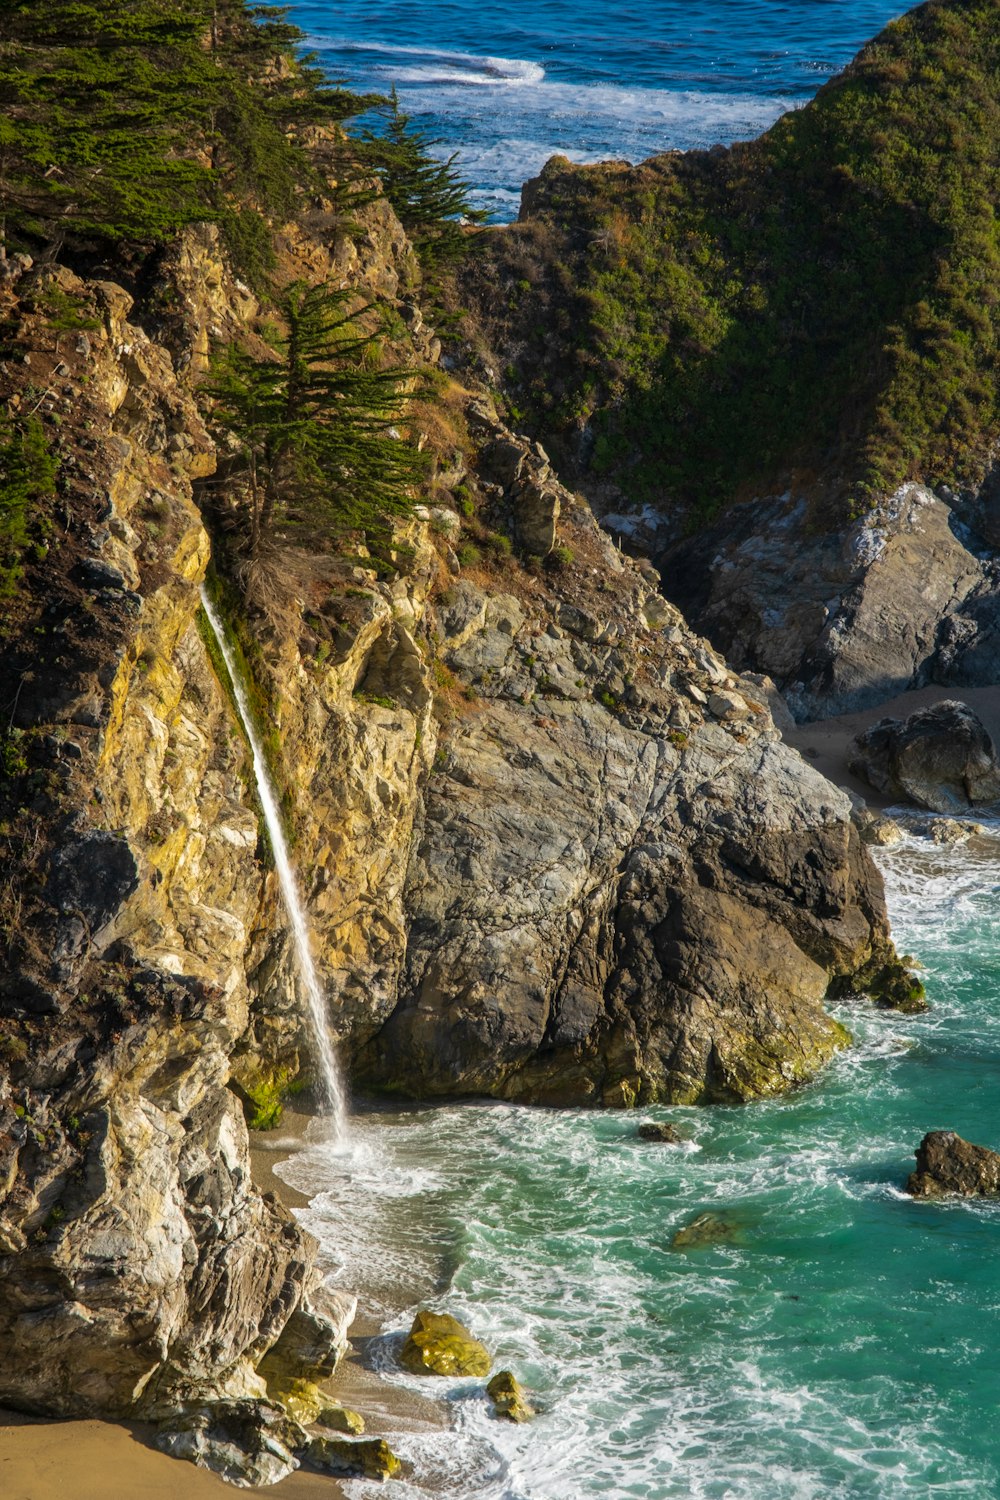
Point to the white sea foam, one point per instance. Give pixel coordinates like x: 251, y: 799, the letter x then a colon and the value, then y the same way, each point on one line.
x: 507, y: 116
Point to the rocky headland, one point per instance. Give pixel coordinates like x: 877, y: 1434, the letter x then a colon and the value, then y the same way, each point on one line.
x: 553, y: 845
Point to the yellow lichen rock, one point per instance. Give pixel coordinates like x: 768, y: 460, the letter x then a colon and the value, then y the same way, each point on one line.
x: 438, y: 1344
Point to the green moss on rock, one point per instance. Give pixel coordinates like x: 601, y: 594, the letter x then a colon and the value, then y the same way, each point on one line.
x: 510, y: 1400
x: 371, y: 1458
x: 341, y: 1419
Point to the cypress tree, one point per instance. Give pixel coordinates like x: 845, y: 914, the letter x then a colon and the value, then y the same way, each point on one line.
x: 124, y: 122
x: 430, y: 197
x: 315, y: 424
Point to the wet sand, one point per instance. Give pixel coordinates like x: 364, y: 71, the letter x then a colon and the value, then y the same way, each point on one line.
x: 91, y: 1460
x: 826, y: 742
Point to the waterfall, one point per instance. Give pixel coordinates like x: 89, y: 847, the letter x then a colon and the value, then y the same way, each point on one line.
x: 325, y: 1057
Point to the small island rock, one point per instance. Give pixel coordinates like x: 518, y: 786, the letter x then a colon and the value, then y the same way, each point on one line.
x: 650, y: 1130
x: 948, y: 1164
x: 940, y: 757
x: 706, y: 1229
x: 509, y: 1398
x: 438, y: 1344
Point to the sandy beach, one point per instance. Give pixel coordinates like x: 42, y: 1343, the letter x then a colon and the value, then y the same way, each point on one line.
x: 93, y: 1460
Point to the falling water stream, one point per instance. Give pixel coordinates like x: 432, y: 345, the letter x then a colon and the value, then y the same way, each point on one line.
x: 331, y: 1084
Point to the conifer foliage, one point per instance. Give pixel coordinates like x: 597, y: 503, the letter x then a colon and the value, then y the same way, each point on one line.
x: 429, y: 196
x: 314, y: 424
x: 125, y: 122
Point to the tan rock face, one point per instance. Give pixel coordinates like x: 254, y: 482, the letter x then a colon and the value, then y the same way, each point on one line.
x: 145, y: 1270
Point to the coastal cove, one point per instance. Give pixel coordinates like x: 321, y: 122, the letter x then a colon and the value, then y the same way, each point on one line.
x: 836, y: 1341
x: 471, y: 995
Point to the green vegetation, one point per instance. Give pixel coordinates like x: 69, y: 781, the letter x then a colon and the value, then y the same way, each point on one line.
x: 122, y: 123
x: 824, y: 301
x: 27, y: 476
x: 315, y: 424
x: 429, y: 196
x: 265, y: 1098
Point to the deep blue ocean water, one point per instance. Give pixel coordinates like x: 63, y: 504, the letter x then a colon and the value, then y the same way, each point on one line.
x: 508, y: 83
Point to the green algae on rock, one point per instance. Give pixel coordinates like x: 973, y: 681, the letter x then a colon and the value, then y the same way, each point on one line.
x: 707, y: 1229
x: 439, y: 1344
x: 341, y: 1419
x: 371, y: 1458
x: 651, y: 1130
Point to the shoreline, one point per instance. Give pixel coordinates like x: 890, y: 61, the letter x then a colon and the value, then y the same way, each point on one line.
x: 97, y: 1453
x: 87, y: 1459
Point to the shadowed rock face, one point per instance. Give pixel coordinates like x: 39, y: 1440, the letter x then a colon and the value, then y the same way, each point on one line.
x: 948, y: 1164
x: 940, y: 757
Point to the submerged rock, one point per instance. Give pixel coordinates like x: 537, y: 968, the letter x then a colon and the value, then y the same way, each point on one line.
x: 877, y: 830
x: 941, y: 758
x: 438, y: 1344
x: 948, y: 1164
x: 370, y: 1459
x: 509, y: 1398
x: 650, y: 1130
x: 706, y: 1229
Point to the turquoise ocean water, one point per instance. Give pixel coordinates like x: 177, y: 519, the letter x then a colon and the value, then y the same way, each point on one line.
x: 507, y: 83
x: 842, y: 1344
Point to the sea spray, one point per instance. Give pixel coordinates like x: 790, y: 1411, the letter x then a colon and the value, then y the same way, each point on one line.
x: 331, y: 1084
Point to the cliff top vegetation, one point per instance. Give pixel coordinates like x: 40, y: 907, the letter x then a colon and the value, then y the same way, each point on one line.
x: 820, y: 305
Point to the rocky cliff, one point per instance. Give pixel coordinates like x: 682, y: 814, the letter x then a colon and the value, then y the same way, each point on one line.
x: 772, y: 369
x: 552, y: 847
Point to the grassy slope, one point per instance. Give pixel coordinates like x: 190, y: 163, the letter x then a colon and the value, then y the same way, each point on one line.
x: 821, y: 301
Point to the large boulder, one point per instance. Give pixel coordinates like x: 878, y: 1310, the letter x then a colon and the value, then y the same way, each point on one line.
x: 439, y: 1344
x: 948, y: 1164
x: 941, y: 758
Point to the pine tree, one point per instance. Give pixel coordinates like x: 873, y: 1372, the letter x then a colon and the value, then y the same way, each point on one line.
x: 315, y: 424
x: 429, y: 196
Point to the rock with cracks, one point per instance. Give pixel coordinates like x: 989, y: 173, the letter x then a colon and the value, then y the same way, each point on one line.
x: 948, y: 1164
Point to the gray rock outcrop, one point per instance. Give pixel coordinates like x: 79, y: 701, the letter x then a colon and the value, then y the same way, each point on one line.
x: 940, y: 758
x: 948, y: 1164
x: 623, y: 886
x: 846, y: 616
